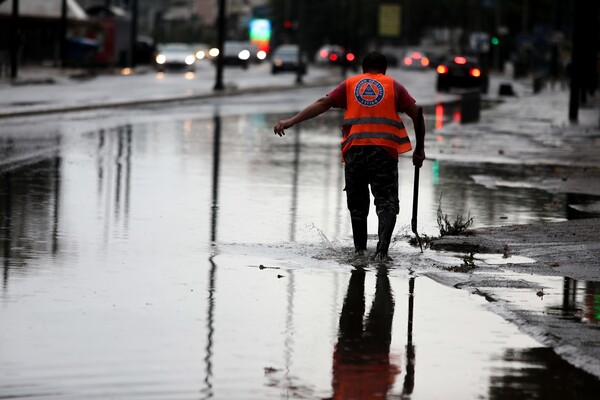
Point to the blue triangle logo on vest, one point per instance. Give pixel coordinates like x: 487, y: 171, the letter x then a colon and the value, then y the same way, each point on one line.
x: 369, y: 90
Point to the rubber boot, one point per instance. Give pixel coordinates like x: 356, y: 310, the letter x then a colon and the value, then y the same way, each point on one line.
x: 359, y: 233
x: 387, y: 222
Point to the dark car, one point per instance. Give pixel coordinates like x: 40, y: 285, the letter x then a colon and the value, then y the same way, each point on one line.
x: 332, y: 54
x: 286, y: 58
x: 460, y: 71
x: 415, y: 59
x: 237, y: 53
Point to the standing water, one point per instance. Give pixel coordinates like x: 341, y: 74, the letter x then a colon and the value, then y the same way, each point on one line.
x: 193, y: 255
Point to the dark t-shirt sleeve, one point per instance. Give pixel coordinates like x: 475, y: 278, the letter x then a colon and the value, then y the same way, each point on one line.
x: 403, y: 99
x: 339, y: 95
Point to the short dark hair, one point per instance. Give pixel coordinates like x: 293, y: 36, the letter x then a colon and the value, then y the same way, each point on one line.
x: 375, y: 61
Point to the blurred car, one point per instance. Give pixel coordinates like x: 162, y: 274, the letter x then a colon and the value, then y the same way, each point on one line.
x: 256, y: 54
x: 144, y: 50
x: 236, y: 53
x: 176, y: 56
x: 286, y: 58
x: 332, y: 54
x: 201, y: 51
x: 415, y: 59
x: 459, y: 71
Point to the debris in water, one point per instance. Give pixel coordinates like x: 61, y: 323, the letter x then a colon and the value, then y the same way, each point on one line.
x: 263, y: 267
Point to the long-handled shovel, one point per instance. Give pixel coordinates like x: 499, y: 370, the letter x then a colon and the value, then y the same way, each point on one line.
x: 420, y: 129
x: 413, y: 221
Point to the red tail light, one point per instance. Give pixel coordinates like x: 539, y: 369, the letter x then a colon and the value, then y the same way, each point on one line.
x: 350, y: 57
x: 333, y: 57
x: 460, y: 60
x: 425, y: 61
x: 476, y: 72
x: 407, y: 60
x: 323, y: 53
x: 442, y: 69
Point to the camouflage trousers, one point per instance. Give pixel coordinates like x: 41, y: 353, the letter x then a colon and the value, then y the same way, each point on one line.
x: 371, y: 166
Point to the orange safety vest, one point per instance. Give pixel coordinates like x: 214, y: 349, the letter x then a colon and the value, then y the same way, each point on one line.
x: 371, y: 114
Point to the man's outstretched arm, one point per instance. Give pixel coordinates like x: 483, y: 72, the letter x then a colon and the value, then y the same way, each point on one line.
x: 313, y: 110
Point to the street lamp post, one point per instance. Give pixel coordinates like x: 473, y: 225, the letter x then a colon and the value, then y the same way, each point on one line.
x: 134, y: 24
x: 220, y: 45
x: 299, y: 33
x: 63, y: 33
x: 14, y: 39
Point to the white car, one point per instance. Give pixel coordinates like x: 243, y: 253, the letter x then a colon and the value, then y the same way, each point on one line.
x: 175, y: 55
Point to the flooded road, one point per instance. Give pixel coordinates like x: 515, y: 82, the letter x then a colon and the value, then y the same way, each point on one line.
x: 188, y: 253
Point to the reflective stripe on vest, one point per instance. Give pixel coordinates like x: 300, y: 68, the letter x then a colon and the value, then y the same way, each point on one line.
x: 371, y: 114
x: 376, y: 135
x: 374, y: 120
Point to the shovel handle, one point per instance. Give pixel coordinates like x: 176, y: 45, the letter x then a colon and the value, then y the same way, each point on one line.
x: 413, y: 222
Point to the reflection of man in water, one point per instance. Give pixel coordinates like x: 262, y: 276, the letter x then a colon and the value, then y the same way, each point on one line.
x: 362, y: 368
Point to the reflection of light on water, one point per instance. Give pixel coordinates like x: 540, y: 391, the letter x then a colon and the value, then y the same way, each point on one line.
x: 435, y: 172
x: 456, y: 117
x: 126, y: 71
x: 160, y: 75
x: 189, y: 75
x: 439, y: 116
x: 187, y: 127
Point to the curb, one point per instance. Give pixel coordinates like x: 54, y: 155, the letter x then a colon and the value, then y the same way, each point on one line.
x: 133, y: 103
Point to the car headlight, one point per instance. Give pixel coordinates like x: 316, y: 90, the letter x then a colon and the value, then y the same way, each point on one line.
x: 261, y: 55
x: 160, y: 59
x: 189, y: 60
x: 244, y: 55
x: 214, y: 52
x: 200, y: 54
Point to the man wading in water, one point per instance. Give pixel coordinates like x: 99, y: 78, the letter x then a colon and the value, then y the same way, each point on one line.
x: 373, y: 136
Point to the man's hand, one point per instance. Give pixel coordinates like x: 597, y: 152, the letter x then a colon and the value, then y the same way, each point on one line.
x: 281, y: 125
x: 316, y: 108
x: 418, y: 157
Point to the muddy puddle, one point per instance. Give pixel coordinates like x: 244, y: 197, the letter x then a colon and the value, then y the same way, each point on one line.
x: 198, y: 258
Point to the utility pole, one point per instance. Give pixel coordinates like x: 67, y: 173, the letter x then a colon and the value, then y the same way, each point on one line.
x: 63, y: 33
x: 134, y: 21
x: 14, y: 39
x: 221, y: 46
x: 299, y: 33
x: 576, y: 69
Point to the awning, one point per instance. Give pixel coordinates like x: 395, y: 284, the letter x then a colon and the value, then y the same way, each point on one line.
x: 44, y: 9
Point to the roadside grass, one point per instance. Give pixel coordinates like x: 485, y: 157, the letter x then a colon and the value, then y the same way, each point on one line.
x: 452, y: 228
x: 448, y: 227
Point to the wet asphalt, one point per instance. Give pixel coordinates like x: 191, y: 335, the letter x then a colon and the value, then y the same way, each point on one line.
x: 115, y: 291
